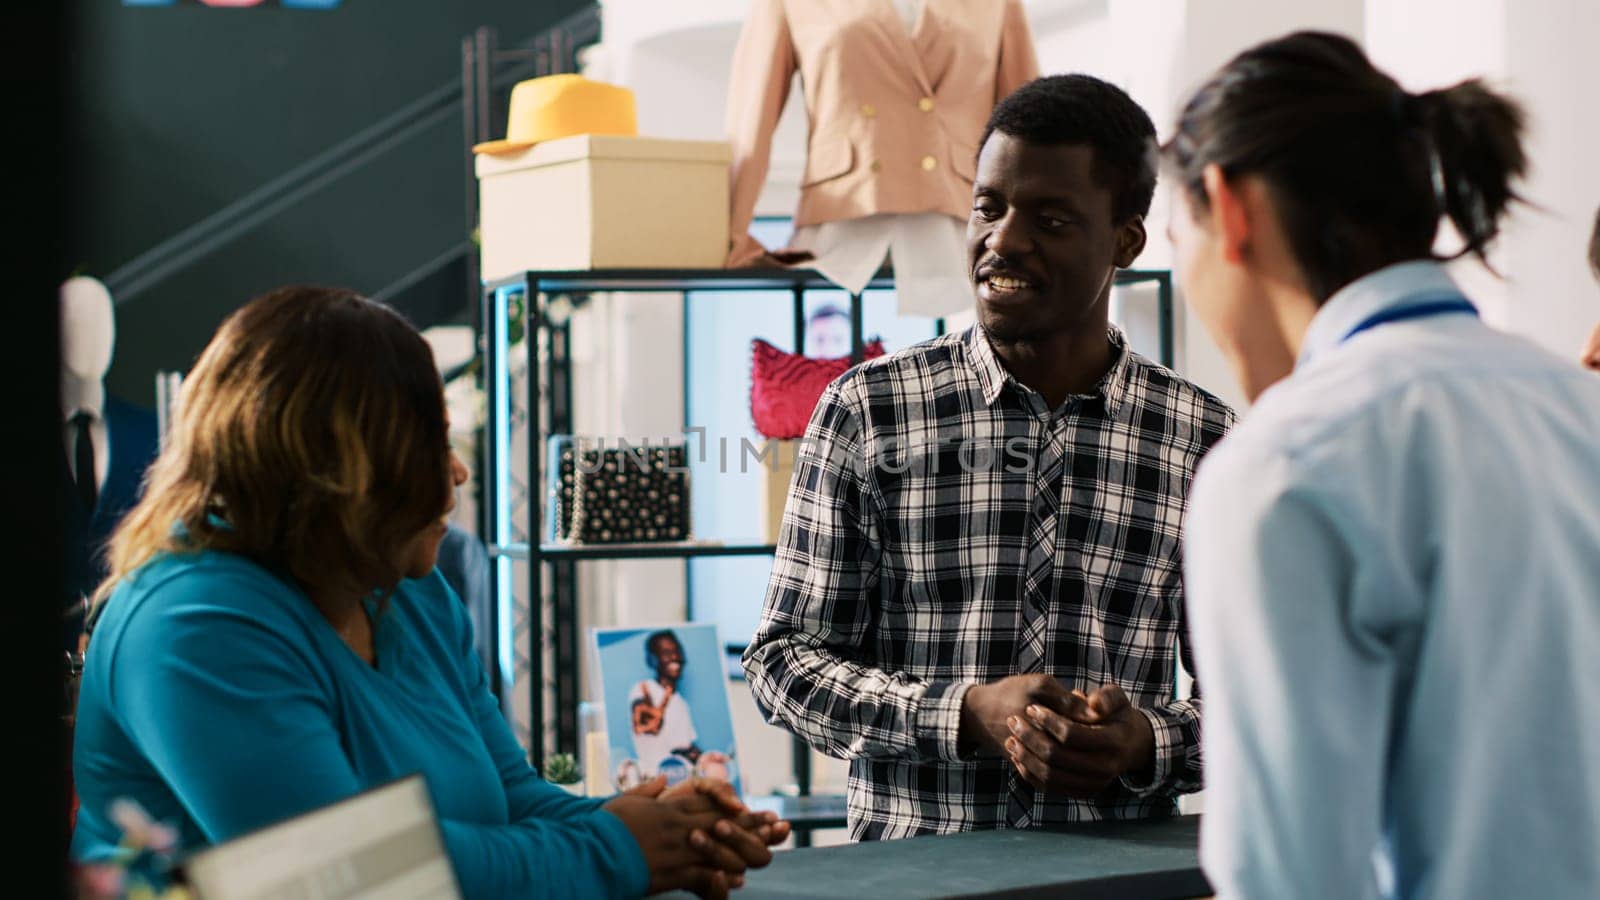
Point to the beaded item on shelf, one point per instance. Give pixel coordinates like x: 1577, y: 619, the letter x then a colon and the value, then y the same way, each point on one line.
x: 619, y: 495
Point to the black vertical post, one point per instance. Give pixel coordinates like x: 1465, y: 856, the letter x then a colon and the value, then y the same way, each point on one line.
x: 476, y: 89
x: 564, y: 588
x: 688, y: 564
x: 487, y: 463
x: 799, y: 319
x: 1164, y: 310
x: 470, y: 195
x: 802, y: 780
x: 560, y: 377
x: 532, y: 317
x: 802, y: 767
x: 483, y: 80
x: 858, y: 343
x: 564, y: 599
x: 479, y: 313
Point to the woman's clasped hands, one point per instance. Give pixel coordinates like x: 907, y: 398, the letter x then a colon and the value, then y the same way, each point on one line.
x: 697, y: 836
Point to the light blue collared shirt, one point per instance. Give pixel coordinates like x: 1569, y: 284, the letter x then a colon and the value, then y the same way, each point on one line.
x: 1393, y: 571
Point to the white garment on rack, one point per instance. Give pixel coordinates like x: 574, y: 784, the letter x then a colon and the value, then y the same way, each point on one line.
x: 929, y: 249
x: 909, y: 10
x: 929, y: 252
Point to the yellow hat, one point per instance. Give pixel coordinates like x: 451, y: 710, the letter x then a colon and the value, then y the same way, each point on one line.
x: 558, y: 106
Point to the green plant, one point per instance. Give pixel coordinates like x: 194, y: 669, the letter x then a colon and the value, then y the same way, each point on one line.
x: 562, y: 768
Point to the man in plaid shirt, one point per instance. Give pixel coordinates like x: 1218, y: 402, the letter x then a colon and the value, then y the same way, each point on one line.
x: 977, y: 597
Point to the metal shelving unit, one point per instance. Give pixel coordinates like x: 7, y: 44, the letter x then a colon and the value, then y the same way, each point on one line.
x: 556, y: 552
x: 527, y: 304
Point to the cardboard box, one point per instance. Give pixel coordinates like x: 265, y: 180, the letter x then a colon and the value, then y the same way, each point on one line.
x: 603, y: 202
x: 775, y: 479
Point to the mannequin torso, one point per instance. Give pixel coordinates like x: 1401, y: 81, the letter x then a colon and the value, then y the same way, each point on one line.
x: 122, y: 439
x: 897, y: 93
x: 926, y: 248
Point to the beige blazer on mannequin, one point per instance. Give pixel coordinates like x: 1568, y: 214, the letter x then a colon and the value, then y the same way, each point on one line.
x: 895, y: 117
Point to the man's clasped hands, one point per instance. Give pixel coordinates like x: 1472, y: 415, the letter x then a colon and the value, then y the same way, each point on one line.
x: 1060, y: 741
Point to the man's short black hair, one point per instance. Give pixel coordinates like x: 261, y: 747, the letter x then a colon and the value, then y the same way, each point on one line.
x: 1082, y: 109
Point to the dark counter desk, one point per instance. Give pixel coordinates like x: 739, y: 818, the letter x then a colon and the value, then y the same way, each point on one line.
x: 1124, y: 860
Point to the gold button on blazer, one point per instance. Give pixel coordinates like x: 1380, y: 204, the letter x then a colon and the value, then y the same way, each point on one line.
x: 915, y: 104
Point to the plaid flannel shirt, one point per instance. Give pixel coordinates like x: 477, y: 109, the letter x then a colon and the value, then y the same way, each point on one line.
x: 944, y: 527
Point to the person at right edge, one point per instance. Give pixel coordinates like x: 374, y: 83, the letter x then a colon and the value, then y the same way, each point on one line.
x: 1393, y: 562
x: 1590, y: 357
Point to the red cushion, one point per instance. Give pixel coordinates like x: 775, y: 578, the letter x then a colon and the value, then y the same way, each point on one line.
x: 785, y: 387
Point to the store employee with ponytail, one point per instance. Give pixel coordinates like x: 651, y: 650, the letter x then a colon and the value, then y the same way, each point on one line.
x: 1393, y: 562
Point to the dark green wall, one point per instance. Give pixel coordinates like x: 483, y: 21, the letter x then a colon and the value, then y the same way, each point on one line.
x: 177, y: 111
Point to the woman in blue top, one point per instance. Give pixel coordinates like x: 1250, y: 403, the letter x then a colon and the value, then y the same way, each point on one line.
x: 1393, y: 561
x: 276, y: 636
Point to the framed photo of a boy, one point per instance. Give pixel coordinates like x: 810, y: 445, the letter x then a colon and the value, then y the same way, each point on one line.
x: 666, y: 704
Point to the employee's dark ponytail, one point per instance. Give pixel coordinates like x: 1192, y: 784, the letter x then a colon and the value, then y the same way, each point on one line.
x: 1477, y: 135
x: 1361, y: 171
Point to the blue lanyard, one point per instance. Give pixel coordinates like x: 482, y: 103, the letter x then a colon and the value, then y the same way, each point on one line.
x: 1457, y: 304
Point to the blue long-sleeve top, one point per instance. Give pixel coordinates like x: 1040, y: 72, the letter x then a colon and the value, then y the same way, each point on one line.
x: 217, y: 697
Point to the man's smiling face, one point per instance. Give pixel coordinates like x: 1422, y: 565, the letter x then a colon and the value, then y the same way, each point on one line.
x: 1042, y: 244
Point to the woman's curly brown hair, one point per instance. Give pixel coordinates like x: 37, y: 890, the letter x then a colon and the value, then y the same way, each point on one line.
x: 311, y: 438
